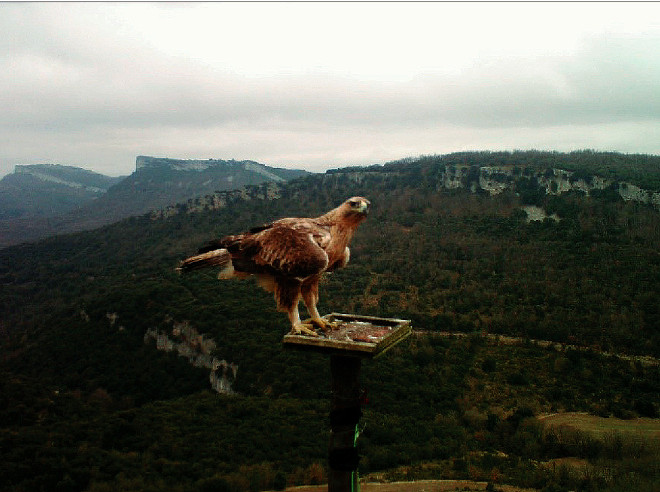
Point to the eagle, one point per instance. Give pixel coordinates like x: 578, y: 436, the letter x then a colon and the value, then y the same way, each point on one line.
x: 288, y: 257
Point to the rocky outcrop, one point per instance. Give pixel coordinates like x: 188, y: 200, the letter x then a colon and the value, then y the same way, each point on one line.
x: 220, y: 199
x: 632, y: 192
x: 495, y: 180
x: 198, y: 348
x: 535, y: 213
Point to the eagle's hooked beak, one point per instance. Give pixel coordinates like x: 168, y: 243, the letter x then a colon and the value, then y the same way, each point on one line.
x: 364, y: 207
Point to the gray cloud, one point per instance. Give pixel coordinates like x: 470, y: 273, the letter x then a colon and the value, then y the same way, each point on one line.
x: 82, y: 90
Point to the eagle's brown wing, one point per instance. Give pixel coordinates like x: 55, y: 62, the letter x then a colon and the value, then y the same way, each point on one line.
x: 291, y: 248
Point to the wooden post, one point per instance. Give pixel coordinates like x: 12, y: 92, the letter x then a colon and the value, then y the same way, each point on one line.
x: 345, y: 414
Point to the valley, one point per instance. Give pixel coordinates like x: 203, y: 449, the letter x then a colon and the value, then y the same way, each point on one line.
x: 518, y: 323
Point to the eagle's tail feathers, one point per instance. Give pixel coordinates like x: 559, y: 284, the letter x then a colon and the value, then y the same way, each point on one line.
x: 217, y: 257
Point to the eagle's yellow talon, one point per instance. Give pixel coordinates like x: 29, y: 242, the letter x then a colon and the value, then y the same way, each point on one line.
x: 303, y: 329
x: 322, y: 324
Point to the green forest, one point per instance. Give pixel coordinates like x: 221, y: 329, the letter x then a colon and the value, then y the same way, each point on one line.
x: 87, y: 405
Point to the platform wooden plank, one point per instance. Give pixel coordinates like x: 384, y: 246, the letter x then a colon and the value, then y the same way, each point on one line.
x: 353, y: 335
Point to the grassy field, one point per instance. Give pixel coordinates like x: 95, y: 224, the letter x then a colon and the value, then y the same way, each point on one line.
x: 640, y: 428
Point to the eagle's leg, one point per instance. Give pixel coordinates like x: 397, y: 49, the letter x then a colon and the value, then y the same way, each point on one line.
x: 317, y: 319
x: 310, y: 295
x: 287, y: 295
x: 297, y: 326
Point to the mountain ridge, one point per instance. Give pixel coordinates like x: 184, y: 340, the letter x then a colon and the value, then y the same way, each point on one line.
x: 155, y: 184
x: 143, y: 161
x: 533, y: 181
x: 48, y: 190
x: 57, y: 173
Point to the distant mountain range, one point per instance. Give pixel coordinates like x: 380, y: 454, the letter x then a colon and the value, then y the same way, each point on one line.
x: 47, y: 190
x: 42, y: 200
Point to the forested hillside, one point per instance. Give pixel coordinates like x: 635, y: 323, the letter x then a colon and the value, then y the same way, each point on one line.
x: 87, y: 405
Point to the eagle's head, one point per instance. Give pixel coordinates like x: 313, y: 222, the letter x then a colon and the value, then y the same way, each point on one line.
x: 359, y: 205
x: 350, y: 213
x: 356, y: 208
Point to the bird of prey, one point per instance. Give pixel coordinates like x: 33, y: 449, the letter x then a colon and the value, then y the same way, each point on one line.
x: 288, y: 257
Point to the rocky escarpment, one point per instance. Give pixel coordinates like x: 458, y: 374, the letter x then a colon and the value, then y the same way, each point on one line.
x: 555, y: 182
x: 484, y: 179
x: 220, y: 199
x: 268, y: 173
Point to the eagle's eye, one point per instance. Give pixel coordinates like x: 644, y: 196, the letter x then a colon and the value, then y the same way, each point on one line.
x: 354, y: 203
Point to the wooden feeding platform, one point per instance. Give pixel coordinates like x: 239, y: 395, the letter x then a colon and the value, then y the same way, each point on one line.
x: 353, y: 335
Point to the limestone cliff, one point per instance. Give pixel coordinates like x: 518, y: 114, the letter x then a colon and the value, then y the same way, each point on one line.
x: 484, y: 179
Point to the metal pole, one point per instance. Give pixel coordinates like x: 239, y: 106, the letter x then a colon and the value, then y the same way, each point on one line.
x: 345, y: 414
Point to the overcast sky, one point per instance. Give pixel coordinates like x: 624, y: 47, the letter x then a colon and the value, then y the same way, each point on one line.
x: 322, y: 85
